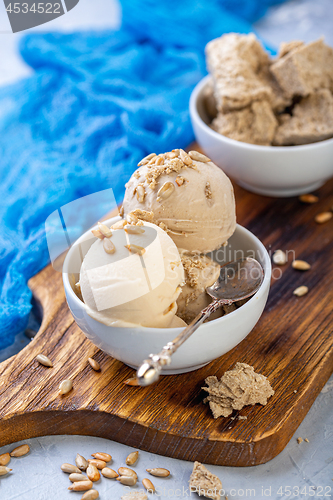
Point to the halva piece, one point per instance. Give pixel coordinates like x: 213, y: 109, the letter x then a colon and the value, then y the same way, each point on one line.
x: 311, y: 121
x: 255, y: 124
x: 204, y: 483
x: 237, y: 388
x: 235, y: 61
x: 305, y: 68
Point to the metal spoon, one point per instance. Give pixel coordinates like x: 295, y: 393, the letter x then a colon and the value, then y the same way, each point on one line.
x: 237, y: 281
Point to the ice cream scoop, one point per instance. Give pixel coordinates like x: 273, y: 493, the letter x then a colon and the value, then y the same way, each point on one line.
x: 132, y: 277
x: 189, y: 196
x: 200, y: 272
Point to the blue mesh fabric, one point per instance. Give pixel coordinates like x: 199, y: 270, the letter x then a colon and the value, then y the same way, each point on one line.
x: 97, y: 103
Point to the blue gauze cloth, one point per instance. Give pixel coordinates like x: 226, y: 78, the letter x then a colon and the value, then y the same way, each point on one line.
x: 97, y: 103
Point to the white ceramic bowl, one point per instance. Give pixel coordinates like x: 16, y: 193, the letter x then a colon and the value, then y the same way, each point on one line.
x: 211, y: 340
x: 268, y: 170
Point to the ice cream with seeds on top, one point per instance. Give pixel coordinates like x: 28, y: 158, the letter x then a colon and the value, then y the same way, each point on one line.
x: 188, y: 195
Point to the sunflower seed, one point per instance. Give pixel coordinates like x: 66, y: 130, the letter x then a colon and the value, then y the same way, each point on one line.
x: 44, y: 360
x: 159, y: 160
x: 108, y: 246
x: 75, y: 477
x: 279, y: 258
x: 99, y: 464
x: 119, y: 224
x: 185, y: 158
x: 134, y: 230
x: 97, y: 233
x: 65, y: 387
x: 102, y: 456
x: 148, y: 485
x: 81, y: 486
x: 196, y: 156
x: 4, y: 470
x: 121, y: 211
x: 323, y: 217
x: 170, y: 155
x: 132, y: 458
x: 301, y: 265
x: 125, y: 471
x: 140, y: 193
x: 92, y: 473
x: 109, y: 473
x: 165, y: 191
x: 90, y: 495
x: 94, y: 364
x: 135, y: 249
x: 132, y: 218
x: 180, y: 180
x: 20, y: 450
x: 158, y: 472
x: 104, y: 230
x: 132, y: 381
x: 300, y: 291
x: 4, y: 459
x: 308, y: 198
x: 127, y: 480
x: 146, y: 159
x: 70, y: 469
x: 81, y: 462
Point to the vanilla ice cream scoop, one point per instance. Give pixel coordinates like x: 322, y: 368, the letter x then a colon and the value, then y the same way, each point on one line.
x: 200, y: 273
x: 189, y: 196
x: 132, y: 277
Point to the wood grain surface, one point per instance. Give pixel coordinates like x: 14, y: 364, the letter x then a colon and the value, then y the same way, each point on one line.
x: 291, y: 345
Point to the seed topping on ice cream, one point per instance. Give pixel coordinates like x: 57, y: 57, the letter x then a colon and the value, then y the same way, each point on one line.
x: 195, y: 207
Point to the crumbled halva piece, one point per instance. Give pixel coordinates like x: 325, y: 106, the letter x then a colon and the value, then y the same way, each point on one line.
x: 237, y: 388
x: 135, y: 495
x: 204, y: 483
x: 255, y: 124
x: 311, y: 121
x: 286, y: 47
x: 235, y: 61
x: 305, y: 68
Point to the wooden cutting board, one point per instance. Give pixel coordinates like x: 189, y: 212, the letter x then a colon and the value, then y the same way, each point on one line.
x: 291, y: 345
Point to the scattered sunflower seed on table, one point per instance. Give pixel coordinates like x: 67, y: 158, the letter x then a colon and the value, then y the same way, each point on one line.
x: 4, y: 459
x: 301, y: 265
x: 44, y: 360
x: 20, y: 451
x: 70, y: 469
x: 279, y: 258
x: 81, y: 462
x: 300, y: 291
x: 109, y: 473
x: 94, y: 364
x: 132, y: 458
x: 81, y: 486
x: 106, y: 457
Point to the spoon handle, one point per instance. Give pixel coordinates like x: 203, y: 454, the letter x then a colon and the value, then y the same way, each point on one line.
x: 150, y: 369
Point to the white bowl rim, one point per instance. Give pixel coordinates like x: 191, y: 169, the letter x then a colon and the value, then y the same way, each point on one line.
x: 266, y: 282
x: 281, y: 149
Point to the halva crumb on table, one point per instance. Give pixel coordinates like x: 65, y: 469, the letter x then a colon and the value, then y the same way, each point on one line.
x: 237, y: 388
x: 204, y: 483
x: 135, y: 495
x: 299, y: 440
